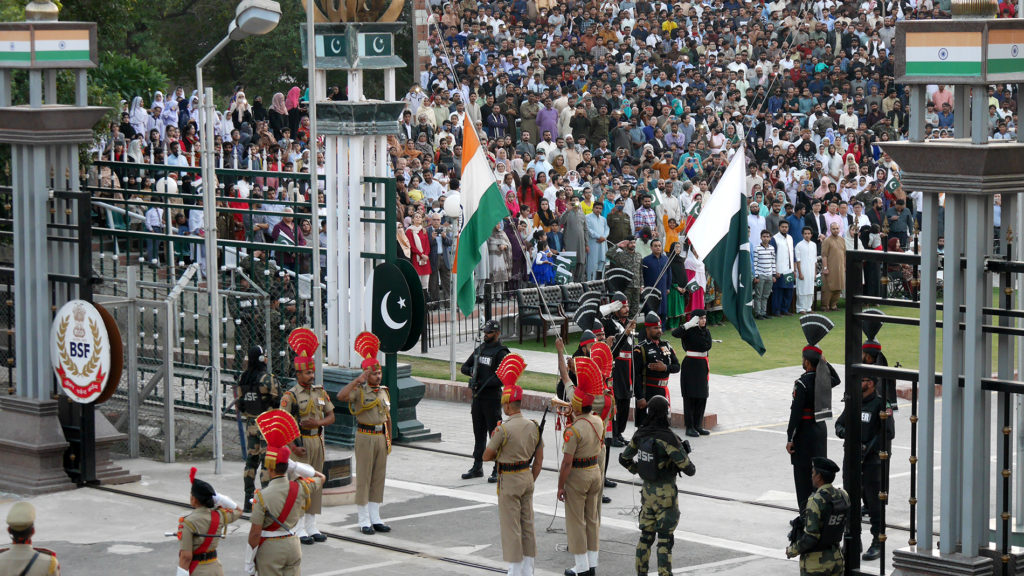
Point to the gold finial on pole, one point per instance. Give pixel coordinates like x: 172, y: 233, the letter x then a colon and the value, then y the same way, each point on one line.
x: 41, y: 11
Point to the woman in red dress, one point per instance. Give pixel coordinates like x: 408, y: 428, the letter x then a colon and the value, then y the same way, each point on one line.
x: 420, y: 248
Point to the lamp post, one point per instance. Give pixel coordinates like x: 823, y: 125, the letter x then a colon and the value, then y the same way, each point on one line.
x: 252, y: 18
x: 453, y: 209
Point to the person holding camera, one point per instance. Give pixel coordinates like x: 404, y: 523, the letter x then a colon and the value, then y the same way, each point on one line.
x: 817, y: 534
x: 481, y: 368
x: 658, y: 456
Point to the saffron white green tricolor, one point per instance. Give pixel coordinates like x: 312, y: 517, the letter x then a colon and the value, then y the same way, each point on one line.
x: 943, y: 53
x: 1005, y: 51
x: 483, y: 208
x: 15, y: 46
x: 24, y: 47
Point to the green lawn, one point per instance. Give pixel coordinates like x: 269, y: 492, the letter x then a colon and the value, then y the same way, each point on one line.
x: 439, y: 369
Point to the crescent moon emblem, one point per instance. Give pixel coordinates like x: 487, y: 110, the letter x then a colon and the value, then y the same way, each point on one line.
x: 376, y: 47
x: 336, y: 45
x: 388, y: 320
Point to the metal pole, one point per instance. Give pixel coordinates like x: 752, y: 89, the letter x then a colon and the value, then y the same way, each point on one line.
x: 210, y: 230
x: 314, y: 189
x: 952, y: 394
x: 973, y: 395
x: 453, y: 312
x: 926, y: 368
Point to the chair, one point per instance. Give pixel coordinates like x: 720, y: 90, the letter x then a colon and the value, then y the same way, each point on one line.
x: 532, y: 313
x: 572, y: 294
x: 596, y: 286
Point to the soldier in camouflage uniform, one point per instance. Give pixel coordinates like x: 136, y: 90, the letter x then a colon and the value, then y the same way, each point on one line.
x: 258, y: 391
x: 657, y: 455
x: 823, y: 522
x: 625, y: 256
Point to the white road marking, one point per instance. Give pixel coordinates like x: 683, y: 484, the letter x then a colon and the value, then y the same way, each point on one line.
x: 630, y: 525
x: 426, y: 514
x: 360, y: 568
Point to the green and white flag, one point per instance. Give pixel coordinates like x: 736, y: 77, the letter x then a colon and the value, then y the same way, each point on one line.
x: 483, y: 208
x: 565, y: 263
x: 721, y: 241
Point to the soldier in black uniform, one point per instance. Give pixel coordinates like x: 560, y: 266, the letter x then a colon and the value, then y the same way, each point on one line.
x: 871, y: 353
x: 871, y: 426
x: 653, y: 361
x: 619, y: 327
x: 695, y: 371
x: 805, y: 435
x: 258, y: 391
x: 486, y: 387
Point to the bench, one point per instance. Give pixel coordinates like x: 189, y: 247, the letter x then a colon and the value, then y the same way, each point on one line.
x: 532, y: 312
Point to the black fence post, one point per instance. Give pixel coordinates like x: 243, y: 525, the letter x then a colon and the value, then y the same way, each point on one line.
x: 851, y: 446
x: 488, y: 301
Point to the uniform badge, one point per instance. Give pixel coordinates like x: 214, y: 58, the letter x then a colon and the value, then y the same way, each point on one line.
x: 567, y: 435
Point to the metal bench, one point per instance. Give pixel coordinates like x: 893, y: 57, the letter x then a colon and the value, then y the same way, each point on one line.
x: 533, y: 313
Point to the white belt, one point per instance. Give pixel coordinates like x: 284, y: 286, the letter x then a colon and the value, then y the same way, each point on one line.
x: 696, y: 354
x: 625, y: 355
x: 275, y: 534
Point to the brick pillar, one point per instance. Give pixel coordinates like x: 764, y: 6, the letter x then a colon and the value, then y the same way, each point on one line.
x: 421, y: 46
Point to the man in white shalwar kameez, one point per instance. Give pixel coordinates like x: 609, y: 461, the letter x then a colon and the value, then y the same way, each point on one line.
x: 806, y: 259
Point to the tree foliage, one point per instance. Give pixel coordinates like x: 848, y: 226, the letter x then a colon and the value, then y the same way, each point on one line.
x: 127, y: 76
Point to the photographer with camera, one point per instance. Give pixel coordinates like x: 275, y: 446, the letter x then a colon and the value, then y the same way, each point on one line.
x: 483, y: 381
x: 658, y: 456
x: 817, y: 534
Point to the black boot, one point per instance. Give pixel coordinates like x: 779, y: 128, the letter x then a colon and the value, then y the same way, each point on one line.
x: 873, y: 552
x: 477, y: 471
x: 692, y: 433
x: 493, y: 478
x: 609, y: 483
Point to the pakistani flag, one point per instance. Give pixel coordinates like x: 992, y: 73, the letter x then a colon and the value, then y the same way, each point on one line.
x: 483, y: 208
x: 565, y: 263
x: 721, y: 241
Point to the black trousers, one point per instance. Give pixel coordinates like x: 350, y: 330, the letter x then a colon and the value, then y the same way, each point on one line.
x: 871, y: 485
x: 622, y: 406
x: 802, y: 481
x: 486, y: 412
x: 693, y: 411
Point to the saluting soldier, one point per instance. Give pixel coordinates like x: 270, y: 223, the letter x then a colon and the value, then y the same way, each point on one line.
x: 22, y: 558
x: 518, y: 448
x: 313, y: 410
x: 653, y: 361
x: 824, y: 520
x: 661, y: 457
x: 258, y: 391
x: 619, y: 328
x: 278, y: 510
x: 695, y: 371
x: 200, y: 532
x: 370, y: 403
x: 580, y: 477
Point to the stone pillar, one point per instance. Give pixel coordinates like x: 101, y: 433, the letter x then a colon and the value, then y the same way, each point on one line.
x: 31, y: 447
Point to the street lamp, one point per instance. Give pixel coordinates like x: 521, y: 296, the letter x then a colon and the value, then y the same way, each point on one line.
x: 252, y: 18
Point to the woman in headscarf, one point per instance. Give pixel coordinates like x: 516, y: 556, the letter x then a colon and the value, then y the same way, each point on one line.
x: 240, y: 111
x: 518, y: 259
x: 512, y: 203
x: 499, y: 259
x: 676, y: 306
x: 158, y: 99
x: 138, y: 116
x: 278, y: 115
x: 226, y: 126
x: 294, y: 112
x: 420, y: 248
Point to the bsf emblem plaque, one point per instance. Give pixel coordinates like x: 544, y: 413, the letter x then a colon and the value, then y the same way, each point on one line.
x: 80, y: 351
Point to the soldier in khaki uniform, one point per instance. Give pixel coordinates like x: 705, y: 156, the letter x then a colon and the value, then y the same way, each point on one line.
x: 370, y: 404
x: 201, y: 531
x: 580, y: 478
x: 280, y: 508
x: 21, y: 557
x: 257, y: 392
x: 313, y: 410
x: 517, y: 447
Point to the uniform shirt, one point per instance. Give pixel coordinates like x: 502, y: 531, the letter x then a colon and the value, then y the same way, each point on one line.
x: 269, y: 502
x: 197, y: 524
x: 649, y: 352
x: 815, y: 516
x: 267, y: 394
x: 515, y: 439
x: 370, y: 405
x: 302, y: 402
x: 669, y: 457
x: 871, y: 425
x: 17, y: 557
x: 583, y: 438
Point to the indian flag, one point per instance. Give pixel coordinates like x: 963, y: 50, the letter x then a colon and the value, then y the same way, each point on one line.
x: 943, y: 53
x: 62, y: 45
x: 1005, y: 51
x: 720, y: 238
x: 15, y: 47
x: 482, y: 207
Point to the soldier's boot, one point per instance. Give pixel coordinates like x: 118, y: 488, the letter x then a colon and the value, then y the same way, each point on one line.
x: 493, y: 478
x: 313, y: 531
x: 643, y: 553
x: 300, y: 531
x: 580, y: 568
x: 477, y: 471
x: 873, y: 552
x: 375, y: 520
x: 364, y: 520
x: 665, y: 542
x: 592, y: 560
x: 526, y: 566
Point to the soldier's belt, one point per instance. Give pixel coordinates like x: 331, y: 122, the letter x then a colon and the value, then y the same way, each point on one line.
x: 370, y: 429
x: 625, y: 355
x: 808, y: 414
x: 696, y: 354
x: 513, y: 466
x: 205, y: 557
x: 584, y: 462
x: 659, y: 382
x: 271, y: 535
x: 314, y: 433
